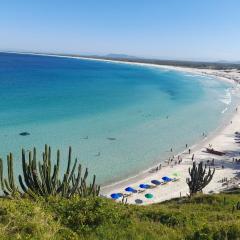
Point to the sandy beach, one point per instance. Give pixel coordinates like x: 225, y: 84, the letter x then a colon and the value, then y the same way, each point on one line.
x: 223, y: 139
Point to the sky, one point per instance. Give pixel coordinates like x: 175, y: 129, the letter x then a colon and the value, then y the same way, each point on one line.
x: 164, y: 29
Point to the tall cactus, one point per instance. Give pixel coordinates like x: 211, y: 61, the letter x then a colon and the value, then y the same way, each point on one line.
x: 199, y: 177
x: 8, y: 185
x: 42, y: 178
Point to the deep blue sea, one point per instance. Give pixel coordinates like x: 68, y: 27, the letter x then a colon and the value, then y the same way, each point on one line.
x: 118, y: 118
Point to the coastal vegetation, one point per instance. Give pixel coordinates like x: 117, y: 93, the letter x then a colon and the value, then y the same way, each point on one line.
x: 200, y: 217
x: 42, y: 178
x: 52, y: 207
x: 199, y: 177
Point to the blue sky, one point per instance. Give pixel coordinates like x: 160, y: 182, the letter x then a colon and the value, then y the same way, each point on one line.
x: 170, y: 29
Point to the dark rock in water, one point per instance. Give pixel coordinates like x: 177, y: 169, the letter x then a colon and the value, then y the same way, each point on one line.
x: 24, y: 134
x: 98, y: 154
x: 110, y: 138
x: 85, y: 138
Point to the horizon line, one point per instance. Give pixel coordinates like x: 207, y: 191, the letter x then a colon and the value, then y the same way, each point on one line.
x: 127, y: 57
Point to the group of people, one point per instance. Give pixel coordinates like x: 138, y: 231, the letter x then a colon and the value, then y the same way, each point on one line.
x: 235, y: 160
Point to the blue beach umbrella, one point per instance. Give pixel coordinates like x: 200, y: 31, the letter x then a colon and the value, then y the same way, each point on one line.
x: 115, y: 195
x: 166, y: 179
x: 130, y: 189
x: 145, y: 186
x: 156, y: 182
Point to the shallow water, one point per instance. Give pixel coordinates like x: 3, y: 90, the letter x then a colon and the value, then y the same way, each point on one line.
x: 119, y: 118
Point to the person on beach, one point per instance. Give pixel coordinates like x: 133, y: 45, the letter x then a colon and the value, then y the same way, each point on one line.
x: 192, y: 157
x: 212, y: 162
x: 189, y: 151
x: 186, y: 145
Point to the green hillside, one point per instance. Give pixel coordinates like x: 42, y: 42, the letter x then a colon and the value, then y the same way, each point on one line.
x: 202, y: 217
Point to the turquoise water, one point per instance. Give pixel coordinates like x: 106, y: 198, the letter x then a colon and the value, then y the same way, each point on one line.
x: 119, y: 118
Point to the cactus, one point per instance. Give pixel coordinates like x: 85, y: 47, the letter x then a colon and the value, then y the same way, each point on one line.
x: 8, y: 185
x: 238, y: 206
x: 199, y: 178
x: 42, y: 178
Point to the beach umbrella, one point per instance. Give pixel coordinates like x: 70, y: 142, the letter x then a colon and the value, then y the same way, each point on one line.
x: 156, y: 182
x: 166, y: 179
x: 115, y: 195
x: 145, y: 186
x: 148, y: 195
x: 130, y: 189
x: 138, y: 201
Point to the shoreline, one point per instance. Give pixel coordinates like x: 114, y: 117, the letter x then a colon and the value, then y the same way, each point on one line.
x: 197, y: 149
x: 233, y: 76
x: 220, y: 138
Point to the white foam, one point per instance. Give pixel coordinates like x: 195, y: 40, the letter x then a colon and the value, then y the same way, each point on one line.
x: 190, y: 75
x: 227, y: 99
x: 224, y: 110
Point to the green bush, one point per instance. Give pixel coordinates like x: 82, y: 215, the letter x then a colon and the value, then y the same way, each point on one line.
x: 202, y: 217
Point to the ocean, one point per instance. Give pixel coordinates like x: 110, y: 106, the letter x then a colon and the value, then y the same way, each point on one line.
x: 118, y: 118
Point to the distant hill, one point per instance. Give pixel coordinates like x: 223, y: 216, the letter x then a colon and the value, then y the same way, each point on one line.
x: 115, y: 55
x: 228, y: 62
